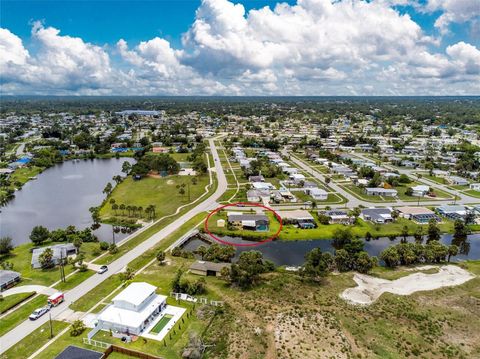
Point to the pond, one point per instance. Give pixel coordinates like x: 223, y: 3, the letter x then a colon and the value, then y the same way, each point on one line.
x: 61, y: 196
x: 292, y: 253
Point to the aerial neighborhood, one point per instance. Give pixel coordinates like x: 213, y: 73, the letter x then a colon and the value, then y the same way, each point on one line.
x: 152, y: 229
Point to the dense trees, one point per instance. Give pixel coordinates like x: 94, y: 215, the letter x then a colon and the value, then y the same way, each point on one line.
x: 46, y: 259
x: 161, y: 163
x: 5, y: 245
x: 414, y: 253
x: 217, y: 253
x: 246, y: 271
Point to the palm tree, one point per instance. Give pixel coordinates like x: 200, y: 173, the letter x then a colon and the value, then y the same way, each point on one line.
x: 140, y: 211
x: 112, y: 201
x: 114, y: 208
x: 129, y: 209
x: 122, y: 208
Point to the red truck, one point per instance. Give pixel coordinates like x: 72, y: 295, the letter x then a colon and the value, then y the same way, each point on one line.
x: 56, y: 299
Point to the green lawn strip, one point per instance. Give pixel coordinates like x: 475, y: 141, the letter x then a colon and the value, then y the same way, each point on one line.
x: 10, y: 301
x: 21, y: 257
x: 161, y: 192
x: 472, y: 193
x: 443, y: 181
x: 74, y: 280
x: 161, y: 324
x: 11, y: 320
x: 31, y: 343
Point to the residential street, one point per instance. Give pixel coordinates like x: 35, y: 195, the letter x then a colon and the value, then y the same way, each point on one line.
x: 26, y: 327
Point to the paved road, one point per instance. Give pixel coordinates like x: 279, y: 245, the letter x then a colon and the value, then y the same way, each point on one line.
x: 26, y: 327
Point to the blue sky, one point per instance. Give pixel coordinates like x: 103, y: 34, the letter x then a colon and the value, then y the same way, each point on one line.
x: 310, y: 47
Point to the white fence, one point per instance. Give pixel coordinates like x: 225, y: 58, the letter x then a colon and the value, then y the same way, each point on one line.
x: 96, y: 343
x: 202, y: 300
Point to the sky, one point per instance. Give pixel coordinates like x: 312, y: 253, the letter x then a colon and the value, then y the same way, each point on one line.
x: 249, y: 47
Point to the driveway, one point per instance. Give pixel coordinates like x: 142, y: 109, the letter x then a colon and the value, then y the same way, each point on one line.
x: 39, y: 289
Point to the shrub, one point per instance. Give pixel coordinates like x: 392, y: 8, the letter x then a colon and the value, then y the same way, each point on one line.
x: 78, y: 327
x: 104, y: 246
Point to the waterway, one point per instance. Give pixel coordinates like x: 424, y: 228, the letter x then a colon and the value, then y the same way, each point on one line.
x: 59, y: 197
x: 292, y: 253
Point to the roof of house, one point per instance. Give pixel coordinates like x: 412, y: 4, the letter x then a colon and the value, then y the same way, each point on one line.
x: 73, y: 352
x: 7, y: 276
x: 414, y: 210
x: 296, y: 214
x: 247, y: 217
x: 131, y: 318
x: 209, y: 266
x: 135, y: 293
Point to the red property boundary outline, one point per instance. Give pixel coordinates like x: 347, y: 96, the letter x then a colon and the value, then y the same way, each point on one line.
x: 243, y: 204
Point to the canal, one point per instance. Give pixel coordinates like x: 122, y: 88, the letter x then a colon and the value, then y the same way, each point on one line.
x: 292, y: 253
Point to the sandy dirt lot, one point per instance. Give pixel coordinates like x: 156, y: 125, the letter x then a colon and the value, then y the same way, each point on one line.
x: 369, y: 288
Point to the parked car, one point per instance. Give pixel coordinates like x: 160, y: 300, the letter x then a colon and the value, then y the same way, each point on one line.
x: 102, y: 269
x: 37, y: 313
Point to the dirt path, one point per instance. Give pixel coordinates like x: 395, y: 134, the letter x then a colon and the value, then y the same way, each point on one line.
x: 369, y: 288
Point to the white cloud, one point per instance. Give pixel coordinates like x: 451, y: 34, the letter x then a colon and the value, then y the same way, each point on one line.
x: 453, y: 11
x: 315, y: 47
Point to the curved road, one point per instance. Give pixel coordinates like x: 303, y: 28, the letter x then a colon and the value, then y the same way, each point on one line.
x: 26, y: 327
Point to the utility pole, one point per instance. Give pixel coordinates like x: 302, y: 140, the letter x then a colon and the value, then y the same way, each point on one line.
x: 62, y: 268
x: 51, y: 327
x: 113, y: 234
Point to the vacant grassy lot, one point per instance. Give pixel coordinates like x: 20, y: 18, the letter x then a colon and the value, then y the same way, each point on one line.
x: 161, y: 192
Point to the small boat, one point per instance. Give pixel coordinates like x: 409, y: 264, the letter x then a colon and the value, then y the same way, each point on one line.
x: 33, y: 178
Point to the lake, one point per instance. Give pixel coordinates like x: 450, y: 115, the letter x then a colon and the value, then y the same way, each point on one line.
x: 61, y: 196
x: 292, y: 253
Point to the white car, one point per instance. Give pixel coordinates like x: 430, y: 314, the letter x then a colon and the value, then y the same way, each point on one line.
x: 102, y: 269
x: 37, y: 313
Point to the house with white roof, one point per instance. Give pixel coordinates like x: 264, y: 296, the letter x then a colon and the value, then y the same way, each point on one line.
x: 133, y: 309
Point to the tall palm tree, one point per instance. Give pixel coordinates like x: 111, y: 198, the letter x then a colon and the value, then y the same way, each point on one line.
x: 122, y: 208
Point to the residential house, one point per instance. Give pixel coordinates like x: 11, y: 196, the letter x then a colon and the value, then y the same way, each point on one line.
x: 337, y: 216
x: 133, y: 309
x: 8, y: 279
x: 453, y: 212
x: 60, y: 251
x: 255, y: 222
x: 377, y: 215
x: 317, y: 194
x: 300, y: 217
x: 475, y: 186
x: 420, y: 190
x: 379, y: 191
x: 420, y: 215
x: 206, y: 268
x: 457, y: 181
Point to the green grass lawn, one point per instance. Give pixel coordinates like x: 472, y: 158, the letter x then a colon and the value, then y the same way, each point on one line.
x: 161, y: 324
x: 24, y: 174
x: 19, y: 315
x: 28, y: 345
x: 13, y: 300
x: 161, y: 192
x: 472, y: 193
